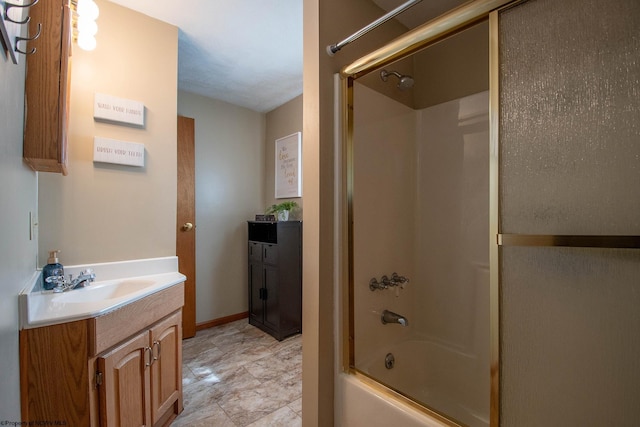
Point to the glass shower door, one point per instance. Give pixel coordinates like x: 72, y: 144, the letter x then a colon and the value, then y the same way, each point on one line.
x: 570, y: 176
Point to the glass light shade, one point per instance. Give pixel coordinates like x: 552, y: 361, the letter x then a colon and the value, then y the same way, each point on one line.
x: 88, y: 9
x: 86, y: 42
x: 87, y: 27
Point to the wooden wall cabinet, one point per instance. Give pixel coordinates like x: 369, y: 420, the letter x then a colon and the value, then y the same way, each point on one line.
x: 123, y: 368
x: 275, y: 277
x: 47, y: 87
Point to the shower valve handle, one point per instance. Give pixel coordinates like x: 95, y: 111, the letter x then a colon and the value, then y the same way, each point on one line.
x: 386, y: 283
x: 398, y: 280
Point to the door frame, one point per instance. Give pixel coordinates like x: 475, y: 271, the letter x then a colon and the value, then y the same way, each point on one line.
x: 185, y: 220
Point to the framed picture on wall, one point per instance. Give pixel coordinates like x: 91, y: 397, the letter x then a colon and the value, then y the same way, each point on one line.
x: 288, y: 175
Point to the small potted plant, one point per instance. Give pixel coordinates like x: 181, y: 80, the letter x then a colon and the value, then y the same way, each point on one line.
x: 282, y: 210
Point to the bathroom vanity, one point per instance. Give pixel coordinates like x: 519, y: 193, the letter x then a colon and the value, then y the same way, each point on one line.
x: 275, y: 277
x: 117, y: 363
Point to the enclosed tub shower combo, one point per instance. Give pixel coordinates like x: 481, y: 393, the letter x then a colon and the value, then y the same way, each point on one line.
x: 471, y: 155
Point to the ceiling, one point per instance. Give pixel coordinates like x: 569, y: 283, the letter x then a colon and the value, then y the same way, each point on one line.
x: 249, y: 52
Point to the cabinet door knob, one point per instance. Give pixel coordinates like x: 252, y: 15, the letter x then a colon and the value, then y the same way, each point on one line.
x: 156, y: 345
x: 187, y: 226
x: 148, y: 351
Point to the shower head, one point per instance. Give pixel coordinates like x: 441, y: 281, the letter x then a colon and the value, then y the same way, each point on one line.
x: 405, y: 82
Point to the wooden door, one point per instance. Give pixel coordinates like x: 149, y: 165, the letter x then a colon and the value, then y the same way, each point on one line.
x: 166, y: 368
x: 186, y: 216
x: 125, y: 399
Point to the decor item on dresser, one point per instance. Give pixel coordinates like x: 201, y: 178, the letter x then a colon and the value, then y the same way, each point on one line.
x: 282, y: 209
x: 275, y: 277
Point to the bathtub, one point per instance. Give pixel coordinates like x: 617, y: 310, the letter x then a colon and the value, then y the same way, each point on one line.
x: 449, y: 381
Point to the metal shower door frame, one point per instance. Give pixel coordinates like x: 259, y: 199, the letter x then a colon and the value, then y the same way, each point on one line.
x: 413, y: 41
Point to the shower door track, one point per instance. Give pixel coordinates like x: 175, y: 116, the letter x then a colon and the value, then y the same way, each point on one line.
x: 571, y: 241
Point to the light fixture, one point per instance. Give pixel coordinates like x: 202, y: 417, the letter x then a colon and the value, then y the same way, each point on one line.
x: 87, y: 12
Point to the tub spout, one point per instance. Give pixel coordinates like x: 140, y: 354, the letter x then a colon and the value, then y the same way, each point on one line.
x: 391, y: 317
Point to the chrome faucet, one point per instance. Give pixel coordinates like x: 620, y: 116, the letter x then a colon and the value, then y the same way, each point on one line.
x: 63, y: 284
x: 391, y: 317
x: 86, y: 277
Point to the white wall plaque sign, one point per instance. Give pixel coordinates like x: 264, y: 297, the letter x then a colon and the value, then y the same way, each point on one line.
x: 118, y: 152
x: 288, y: 166
x: 110, y: 108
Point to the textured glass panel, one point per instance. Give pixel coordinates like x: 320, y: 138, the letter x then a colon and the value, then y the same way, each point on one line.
x: 569, y: 337
x: 570, y: 117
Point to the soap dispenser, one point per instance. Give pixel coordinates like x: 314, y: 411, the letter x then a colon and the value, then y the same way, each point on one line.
x: 53, y: 268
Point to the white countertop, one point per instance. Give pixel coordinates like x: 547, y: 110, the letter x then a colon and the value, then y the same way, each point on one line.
x: 140, y: 278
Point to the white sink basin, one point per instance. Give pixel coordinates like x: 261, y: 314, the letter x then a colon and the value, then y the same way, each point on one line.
x: 117, y: 284
x: 106, y: 291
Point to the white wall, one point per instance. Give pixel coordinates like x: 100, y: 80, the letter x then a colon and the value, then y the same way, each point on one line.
x: 325, y: 22
x: 104, y: 212
x: 282, y: 121
x: 230, y: 159
x: 18, y: 193
x: 19, y: 190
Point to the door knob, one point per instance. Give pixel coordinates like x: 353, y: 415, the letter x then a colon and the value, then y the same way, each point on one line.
x: 187, y: 226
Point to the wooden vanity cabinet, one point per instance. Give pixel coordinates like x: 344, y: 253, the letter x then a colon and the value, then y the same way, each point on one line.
x: 275, y: 277
x: 166, y: 368
x: 141, y: 378
x: 47, y: 87
x: 120, y: 369
x: 124, y: 384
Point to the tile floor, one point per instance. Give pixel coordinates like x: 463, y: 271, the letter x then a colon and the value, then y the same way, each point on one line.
x: 235, y: 375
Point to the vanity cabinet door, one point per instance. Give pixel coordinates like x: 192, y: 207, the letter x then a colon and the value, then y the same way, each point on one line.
x: 125, y: 395
x: 166, y: 367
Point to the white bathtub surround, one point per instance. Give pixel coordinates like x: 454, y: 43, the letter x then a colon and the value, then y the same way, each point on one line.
x: 384, y: 203
x: 439, y: 376
x: 134, y: 279
x: 360, y: 405
x: 421, y: 210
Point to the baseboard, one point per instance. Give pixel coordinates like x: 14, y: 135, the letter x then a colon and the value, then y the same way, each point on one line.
x: 221, y: 321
